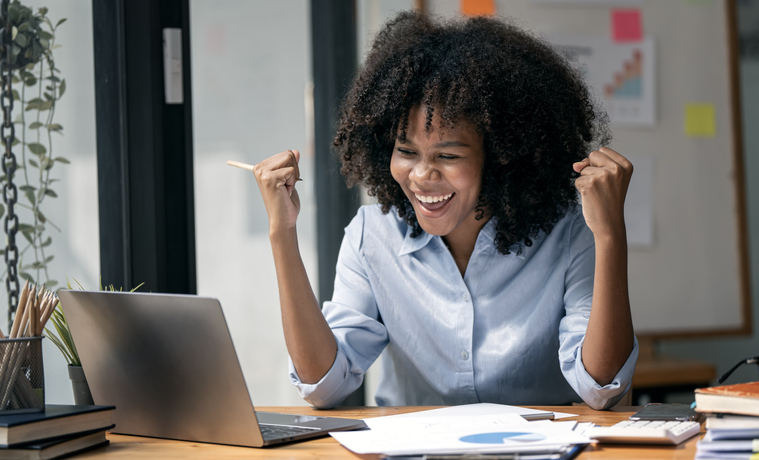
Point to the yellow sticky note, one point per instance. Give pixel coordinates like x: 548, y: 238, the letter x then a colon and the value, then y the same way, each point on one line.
x: 700, y: 120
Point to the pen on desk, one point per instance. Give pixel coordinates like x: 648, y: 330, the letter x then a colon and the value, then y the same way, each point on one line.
x: 237, y: 164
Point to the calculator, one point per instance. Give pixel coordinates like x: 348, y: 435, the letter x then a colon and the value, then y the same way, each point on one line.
x: 645, y: 432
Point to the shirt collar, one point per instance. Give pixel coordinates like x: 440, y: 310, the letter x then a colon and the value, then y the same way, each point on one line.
x: 410, y: 244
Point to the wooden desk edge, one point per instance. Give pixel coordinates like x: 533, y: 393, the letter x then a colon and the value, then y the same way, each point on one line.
x: 123, y: 446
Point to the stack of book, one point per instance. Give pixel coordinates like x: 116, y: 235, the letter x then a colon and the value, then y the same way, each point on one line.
x: 732, y: 421
x: 58, y: 431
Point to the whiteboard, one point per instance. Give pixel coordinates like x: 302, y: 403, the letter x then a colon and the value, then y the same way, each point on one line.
x: 690, y: 274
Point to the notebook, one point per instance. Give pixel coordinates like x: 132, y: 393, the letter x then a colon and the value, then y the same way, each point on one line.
x: 168, y: 364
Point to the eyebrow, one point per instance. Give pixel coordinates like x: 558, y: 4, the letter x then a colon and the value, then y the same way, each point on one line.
x: 440, y: 145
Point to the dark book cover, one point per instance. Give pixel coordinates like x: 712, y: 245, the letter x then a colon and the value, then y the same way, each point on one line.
x: 52, y: 411
x: 55, y: 421
x: 56, y: 448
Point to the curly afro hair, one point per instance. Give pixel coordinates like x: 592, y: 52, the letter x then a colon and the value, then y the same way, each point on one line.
x: 532, y: 109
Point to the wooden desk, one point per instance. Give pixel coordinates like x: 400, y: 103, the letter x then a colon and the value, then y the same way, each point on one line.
x: 135, y: 447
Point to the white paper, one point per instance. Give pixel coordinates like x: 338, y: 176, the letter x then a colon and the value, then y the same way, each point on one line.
x: 639, y: 203
x: 503, y: 433
x: 621, y: 75
x: 469, y: 410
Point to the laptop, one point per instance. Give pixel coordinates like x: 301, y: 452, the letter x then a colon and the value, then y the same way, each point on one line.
x: 168, y: 364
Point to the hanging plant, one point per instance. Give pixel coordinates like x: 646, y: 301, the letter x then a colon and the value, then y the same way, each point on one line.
x: 37, y: 86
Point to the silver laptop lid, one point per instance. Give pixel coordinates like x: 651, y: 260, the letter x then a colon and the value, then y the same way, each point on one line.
x: 166, y: 362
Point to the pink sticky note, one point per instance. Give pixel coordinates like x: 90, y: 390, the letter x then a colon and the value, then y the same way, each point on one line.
x: 626, y: 25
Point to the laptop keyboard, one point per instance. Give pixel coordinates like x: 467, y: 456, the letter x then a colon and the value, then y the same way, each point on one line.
x: 283, y: 431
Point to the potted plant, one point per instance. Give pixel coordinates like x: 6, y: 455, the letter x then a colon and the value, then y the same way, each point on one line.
x: 63, y: 339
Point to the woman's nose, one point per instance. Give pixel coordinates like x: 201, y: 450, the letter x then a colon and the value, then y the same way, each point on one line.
x: 425, y: 171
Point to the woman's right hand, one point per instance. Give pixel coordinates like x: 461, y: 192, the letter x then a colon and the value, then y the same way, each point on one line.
x: 276, y: 177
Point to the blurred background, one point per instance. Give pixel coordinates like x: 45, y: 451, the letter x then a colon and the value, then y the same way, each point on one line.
x: 261, y: 77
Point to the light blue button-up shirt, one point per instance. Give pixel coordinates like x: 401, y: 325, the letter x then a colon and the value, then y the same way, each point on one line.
x: 510, y: 331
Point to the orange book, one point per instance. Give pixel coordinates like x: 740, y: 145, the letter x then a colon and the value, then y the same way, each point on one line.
x: 740, y: 398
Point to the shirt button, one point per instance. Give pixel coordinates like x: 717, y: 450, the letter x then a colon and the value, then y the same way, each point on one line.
x: 464, y: 354
x: 465, y: 296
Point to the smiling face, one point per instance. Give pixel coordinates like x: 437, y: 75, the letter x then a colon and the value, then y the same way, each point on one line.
x: 441, y: 174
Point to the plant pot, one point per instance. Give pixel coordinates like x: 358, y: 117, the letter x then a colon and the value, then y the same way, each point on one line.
x: 82, y: 395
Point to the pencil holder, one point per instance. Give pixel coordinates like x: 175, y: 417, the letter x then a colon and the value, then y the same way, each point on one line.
x: 22, y: 376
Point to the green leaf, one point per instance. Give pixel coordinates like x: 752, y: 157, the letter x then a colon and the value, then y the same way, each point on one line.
x: 2, y: 252
x: 53, y: 78
x: 25, y: 228
x: 46, y: 105
x: 37, y: 149
x: 62, y: 160
x: 43, y: 11
x: 54, y: 127
x: 57, y: 342
x: 33, y: 163
x: 30, y: 196
x: 26, y: 188
x: 62, y: 88
x: 28, y: 237
x: 35, y: 125
x: 26, y: 276
x: 44, y: 35
x: 47, y: 242
x: 14, y: 79
x: 60, y: 22
x: 49, y: 258
x: 16, y: 97
x: 51, y: 283
x: 34, y: 104
x: 41, y: 217
x: 30, y: 81
x: 23, y: 27
x: 51, y: 193
x: 21, y: 40
x: 2, y: 210
x: 14, y: 32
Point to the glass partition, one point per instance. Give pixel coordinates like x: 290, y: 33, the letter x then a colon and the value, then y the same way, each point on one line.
x: 251, y: 73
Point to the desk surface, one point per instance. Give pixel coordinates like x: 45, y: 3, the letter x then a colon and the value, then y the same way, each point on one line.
x: 135, y: 447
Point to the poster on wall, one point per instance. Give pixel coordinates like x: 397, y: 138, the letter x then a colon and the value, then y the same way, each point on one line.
x: 621, y: 75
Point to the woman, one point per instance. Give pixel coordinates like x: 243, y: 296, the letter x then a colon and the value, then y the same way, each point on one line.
x: 476, y: 274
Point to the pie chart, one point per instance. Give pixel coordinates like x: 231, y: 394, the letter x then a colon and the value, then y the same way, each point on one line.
x: 502, y: 437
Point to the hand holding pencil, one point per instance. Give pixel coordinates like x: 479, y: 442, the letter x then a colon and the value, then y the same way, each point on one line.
x: 276, y: 177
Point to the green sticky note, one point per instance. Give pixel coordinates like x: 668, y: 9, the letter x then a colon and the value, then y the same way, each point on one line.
x: 700, y: 120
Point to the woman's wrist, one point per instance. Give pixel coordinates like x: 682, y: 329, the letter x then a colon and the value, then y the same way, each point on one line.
x: 282, y: 235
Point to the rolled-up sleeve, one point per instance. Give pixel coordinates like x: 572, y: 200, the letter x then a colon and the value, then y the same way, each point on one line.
x: 578, y: 298
x: 353, y: 316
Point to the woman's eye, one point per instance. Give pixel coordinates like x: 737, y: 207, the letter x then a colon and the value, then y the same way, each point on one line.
x: 406, y: 153
x: 448, y: 157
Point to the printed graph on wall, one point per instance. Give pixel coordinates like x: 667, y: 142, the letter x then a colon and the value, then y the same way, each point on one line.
x: 621, y: 75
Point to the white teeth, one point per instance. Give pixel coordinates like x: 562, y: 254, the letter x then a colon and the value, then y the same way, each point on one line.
x: 432, y: 199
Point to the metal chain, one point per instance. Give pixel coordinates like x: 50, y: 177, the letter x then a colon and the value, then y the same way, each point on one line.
x: 8, y: 133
